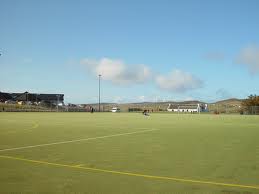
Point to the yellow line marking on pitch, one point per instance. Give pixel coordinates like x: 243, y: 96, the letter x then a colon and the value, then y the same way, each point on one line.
x: 78, y: 140
x: 132, y: 174
x: 79, y: 165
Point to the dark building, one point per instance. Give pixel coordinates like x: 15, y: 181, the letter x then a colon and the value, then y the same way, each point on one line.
x: 5, y: 97
x: 31, y: 97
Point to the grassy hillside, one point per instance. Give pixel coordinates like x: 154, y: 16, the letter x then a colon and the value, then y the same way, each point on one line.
x: 155, y: 106
x: 225, y: 106
x: 231, y: 105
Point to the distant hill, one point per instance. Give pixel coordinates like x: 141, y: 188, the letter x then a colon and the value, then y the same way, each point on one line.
x: 231, y: 105
x: 155, y: 106
x: 230, y: 101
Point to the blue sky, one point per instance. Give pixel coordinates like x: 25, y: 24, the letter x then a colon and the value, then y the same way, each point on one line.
x: 145, y: 50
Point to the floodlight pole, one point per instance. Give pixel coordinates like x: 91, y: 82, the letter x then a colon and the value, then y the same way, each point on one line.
x: 99, y: 92
x: 57, y: 102
x: 27, y: 98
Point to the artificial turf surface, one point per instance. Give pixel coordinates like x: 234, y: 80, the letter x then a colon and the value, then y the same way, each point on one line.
x: 128, y: 153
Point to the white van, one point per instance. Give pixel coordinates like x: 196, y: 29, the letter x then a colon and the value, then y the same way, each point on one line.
x: 115, y: 109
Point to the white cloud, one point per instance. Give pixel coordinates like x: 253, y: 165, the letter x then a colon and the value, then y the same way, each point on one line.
x: 117, y: 71
x: 120, y: 73
x: 249, y: 57
x: 178, y: 81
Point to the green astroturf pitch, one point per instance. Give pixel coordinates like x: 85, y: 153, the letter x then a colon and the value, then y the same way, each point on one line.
x: 128, y: 153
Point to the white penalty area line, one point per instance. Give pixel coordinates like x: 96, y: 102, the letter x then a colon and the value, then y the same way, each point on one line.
x: 77, y: 140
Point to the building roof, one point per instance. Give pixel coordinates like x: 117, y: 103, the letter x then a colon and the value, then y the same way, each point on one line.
x: 172, y: 106
x: 5, y: 96
x: 181, y: 106
x: 188, y: 107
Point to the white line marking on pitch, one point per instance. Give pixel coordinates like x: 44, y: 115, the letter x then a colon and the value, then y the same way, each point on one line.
x: 77, y: 140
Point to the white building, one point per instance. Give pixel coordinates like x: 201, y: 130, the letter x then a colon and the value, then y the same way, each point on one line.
x: 192, y: 108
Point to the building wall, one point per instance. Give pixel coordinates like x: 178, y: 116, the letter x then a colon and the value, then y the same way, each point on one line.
x: 185, y: 110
